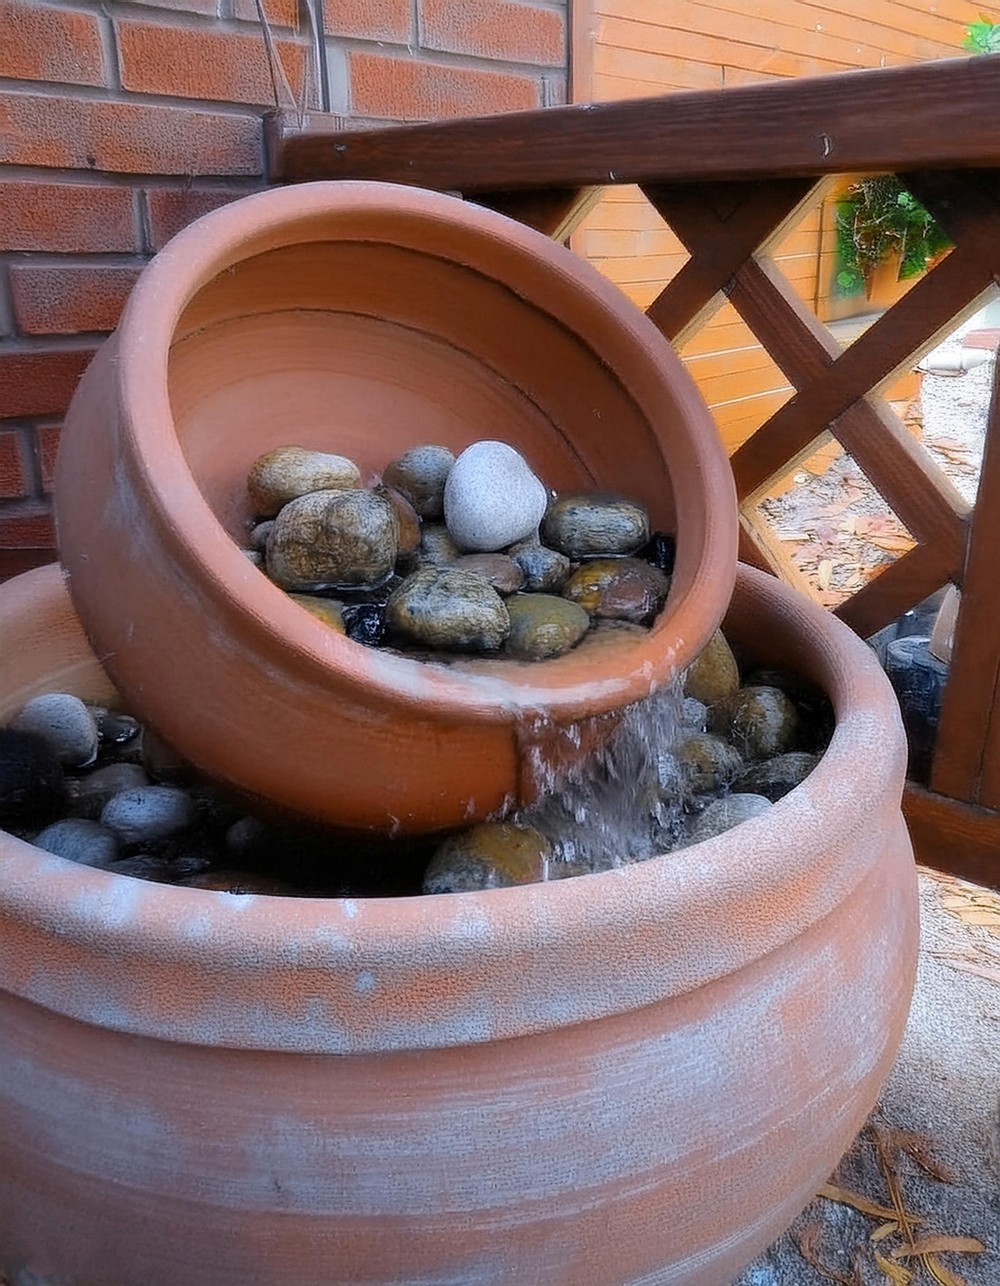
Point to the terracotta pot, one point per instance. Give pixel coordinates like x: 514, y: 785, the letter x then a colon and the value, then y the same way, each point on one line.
x: 365, y: 318
x: 635, y: 1076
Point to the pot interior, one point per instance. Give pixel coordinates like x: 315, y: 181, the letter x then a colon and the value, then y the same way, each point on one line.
x: 369, y: 348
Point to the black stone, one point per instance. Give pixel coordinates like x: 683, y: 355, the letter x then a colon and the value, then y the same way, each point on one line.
x: 32, y: 783
x: 365, y: 623
x: 661, y: 551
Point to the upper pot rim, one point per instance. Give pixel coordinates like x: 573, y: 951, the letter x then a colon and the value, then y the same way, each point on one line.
x: 360, y: 975
x: 703, y: 576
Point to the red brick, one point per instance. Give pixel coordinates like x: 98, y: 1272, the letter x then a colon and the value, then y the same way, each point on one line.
x: 27, y: 526
x: 44, y: 43
x: 208, y: 7
x: 66, y: 218
x: 40, y: 381
x: 126, y: 137
x: 224, y: 66
x: 46, y: 449
x: 370, y: 19
x: 279, y: 13
x: 171, y: 209
x: 15, y: 561
x: 495, y: 29
x: 53, y: 300
x: 15, y: 482
x: 401, y: 89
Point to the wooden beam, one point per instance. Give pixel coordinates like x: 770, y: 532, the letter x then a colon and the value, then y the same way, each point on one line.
x: 928, y: 116
x: 909, y: 580
x: 967, y: 757
x: 555, y: 211
x: 955, y: 837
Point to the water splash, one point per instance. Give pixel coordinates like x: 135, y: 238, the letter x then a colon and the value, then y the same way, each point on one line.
x: 623, y: 801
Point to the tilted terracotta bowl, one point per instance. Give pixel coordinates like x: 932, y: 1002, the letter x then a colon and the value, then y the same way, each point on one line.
x: 636, y: 1076
x: 365, y: 318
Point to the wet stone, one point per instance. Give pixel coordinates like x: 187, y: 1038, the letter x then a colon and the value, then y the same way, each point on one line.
x: 492, y: 855
x: 420, y: 474
x: 543, y: 626
x: 492, y: 498
x: 407, y: 521
x: 723, y: 814
x: 78, y: 840
x: 289, y: 472
x: 815, y: 709
x: 774, y: 778
x: 254, y: 556
x: 707, y: 762
x: 624, y: 589
x: 259, y: 535
x: 242, y: 882
x: 149, y: 813
x: 447, y: 608
x: 327, y: 610
x: 32, y: 784
x: 595, y: 525
x: 88, y: 795
x: 437, y: 549
x: 762, y: 722
x: 333, y: 538
x: 144, y: 866
x: 713, y: 676
x: 497, y: 570
x: 545, y: 570
x: 661, y: 551
x: 694, y: 714
x: 365, y: 623
x: 65, y: 723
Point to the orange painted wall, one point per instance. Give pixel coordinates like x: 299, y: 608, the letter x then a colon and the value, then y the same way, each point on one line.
x: 637, y: 48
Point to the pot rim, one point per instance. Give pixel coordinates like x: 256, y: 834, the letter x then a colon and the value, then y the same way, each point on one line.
x: 546, y: 273
x: 362, y: 975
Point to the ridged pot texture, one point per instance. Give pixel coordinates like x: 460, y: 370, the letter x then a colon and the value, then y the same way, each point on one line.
x: 365, y: 319
x: 636, y: 1077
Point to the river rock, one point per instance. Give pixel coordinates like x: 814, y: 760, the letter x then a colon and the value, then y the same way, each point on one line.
x: 327, y: 610
x: 443, y: 607
x: 146, y: 866
x: 259, y: 535
x: 496, y: 569
x: 661, y: 551
x: 437, y: 549
x: 420, y: 474
x: 625, y: 589
x: 88, y: 795
x: 289, y: 472
x: 243, y: 882
x: 365, y: 623
x: 542, y: 625
x: 80, y: 840
x: 545, y: 570
x: 65, y: 723
x: 113, y: 727
x: 407, y: 521
x: 492, y: 855
x: 723, y: 814
x: 713, y: 676
x: 149, y: 813
x: 254, y: 556
x: 707, y: 762
x: 761, y: 722
x: 333, y: 538
x: 694, y: 714
x: 32, y: 784
x: 594, y: 525
x: 774, y: 778
x: 492, y: 499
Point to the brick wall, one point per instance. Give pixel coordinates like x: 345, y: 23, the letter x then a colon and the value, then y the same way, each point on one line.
x: 122, y: 122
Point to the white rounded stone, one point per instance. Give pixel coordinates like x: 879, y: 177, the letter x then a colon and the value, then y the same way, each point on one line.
x: 492, y: 498
x: 148, y: 813
x: 65, y: 723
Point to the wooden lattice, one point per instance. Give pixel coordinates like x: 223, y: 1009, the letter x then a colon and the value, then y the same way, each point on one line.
x: 730, y: 172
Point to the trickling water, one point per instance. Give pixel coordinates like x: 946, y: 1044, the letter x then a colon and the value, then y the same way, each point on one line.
x: 621, y: 803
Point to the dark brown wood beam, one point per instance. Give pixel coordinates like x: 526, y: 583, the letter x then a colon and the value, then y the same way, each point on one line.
x: 930, y: 116
x: 950, y: 836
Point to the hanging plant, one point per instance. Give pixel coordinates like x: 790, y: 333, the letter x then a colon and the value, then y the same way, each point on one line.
x: 877, y: 220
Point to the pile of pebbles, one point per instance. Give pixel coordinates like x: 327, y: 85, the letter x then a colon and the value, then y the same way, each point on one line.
x: 93, y: 786
x: 463, y: 556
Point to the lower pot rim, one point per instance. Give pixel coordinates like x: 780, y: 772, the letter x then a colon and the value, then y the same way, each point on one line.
x: 342, y: 975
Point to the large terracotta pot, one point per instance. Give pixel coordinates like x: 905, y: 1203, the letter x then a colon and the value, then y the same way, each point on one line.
x: 639, y: 1076
x: 365, y: 318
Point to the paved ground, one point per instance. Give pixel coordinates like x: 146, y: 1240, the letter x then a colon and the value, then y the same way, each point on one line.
x: 925, y: 1173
